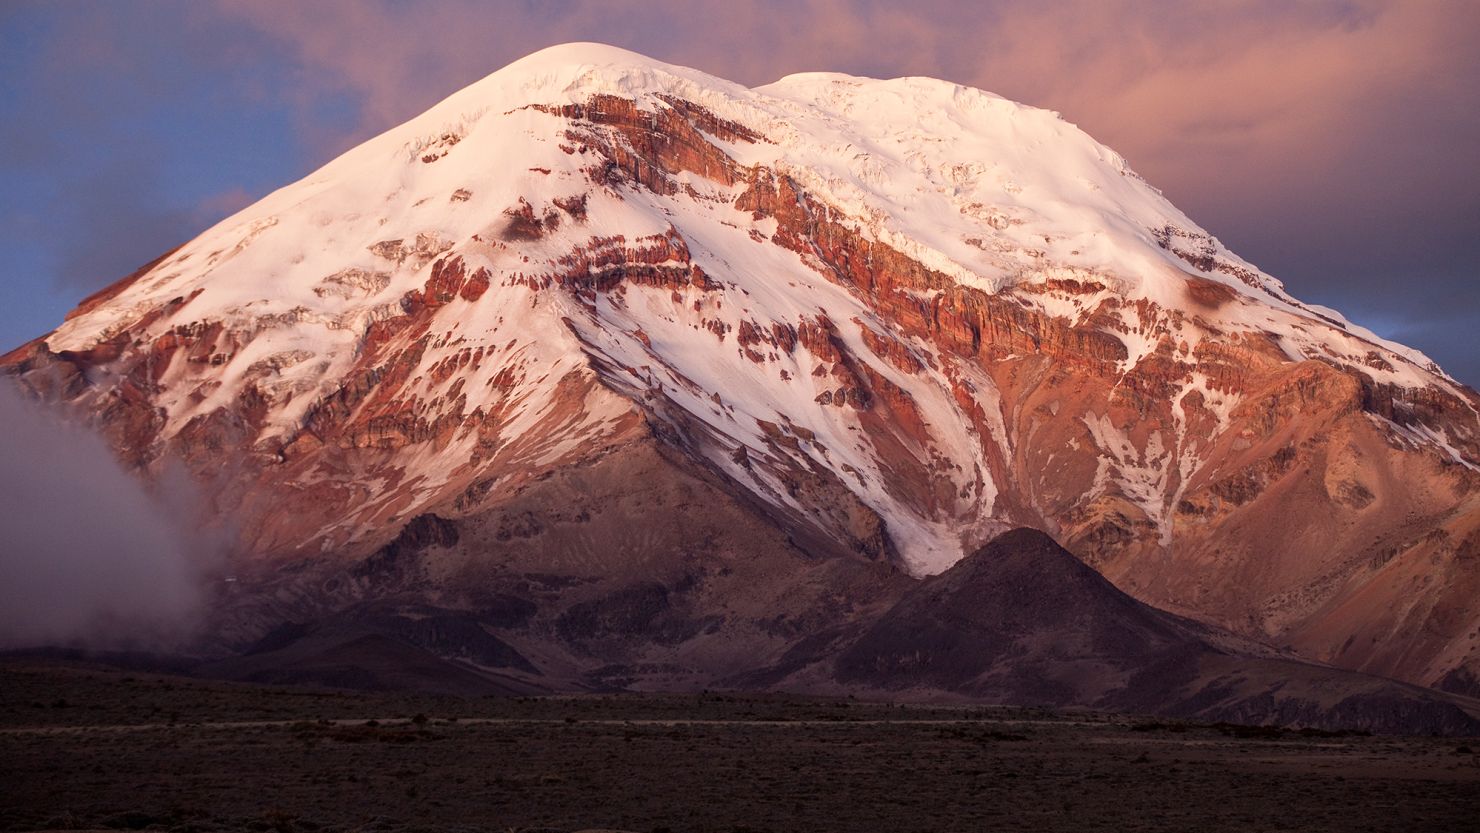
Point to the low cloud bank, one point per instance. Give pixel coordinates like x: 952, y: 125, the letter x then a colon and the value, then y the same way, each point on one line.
x: 88, y: 557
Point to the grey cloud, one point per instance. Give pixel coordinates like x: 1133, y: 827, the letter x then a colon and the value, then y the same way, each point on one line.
x: 87, y: 556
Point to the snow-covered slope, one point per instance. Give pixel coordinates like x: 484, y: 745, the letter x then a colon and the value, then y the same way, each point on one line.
x: 988, y: 191
x: 904, y: 300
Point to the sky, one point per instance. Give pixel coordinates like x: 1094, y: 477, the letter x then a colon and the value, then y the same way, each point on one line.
x: 1335, y: 144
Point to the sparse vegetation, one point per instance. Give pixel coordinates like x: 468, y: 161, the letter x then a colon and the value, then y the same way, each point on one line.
x: 294, y: 760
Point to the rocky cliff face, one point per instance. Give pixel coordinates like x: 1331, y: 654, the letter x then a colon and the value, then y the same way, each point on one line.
x: 886, y: 319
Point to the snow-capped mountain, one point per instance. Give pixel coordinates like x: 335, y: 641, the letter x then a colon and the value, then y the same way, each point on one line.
x: 875, y: 319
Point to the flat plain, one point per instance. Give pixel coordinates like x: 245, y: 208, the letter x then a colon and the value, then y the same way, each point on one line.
x: 87, y: 748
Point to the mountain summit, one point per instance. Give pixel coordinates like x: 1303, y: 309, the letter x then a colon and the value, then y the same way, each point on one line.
x: 612, y: 332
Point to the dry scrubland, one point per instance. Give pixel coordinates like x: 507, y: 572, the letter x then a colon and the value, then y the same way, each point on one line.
x: 88, y: 749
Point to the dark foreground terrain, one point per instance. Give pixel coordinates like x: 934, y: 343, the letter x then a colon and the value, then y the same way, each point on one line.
x: 84, y: 748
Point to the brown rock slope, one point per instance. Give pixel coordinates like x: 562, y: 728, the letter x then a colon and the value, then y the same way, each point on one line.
x: 1019, y: 622
x: 634, y: 570
x: 1022, y: 621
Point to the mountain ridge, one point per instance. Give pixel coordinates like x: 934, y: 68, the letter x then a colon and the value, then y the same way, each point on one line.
x: 893, y: 318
